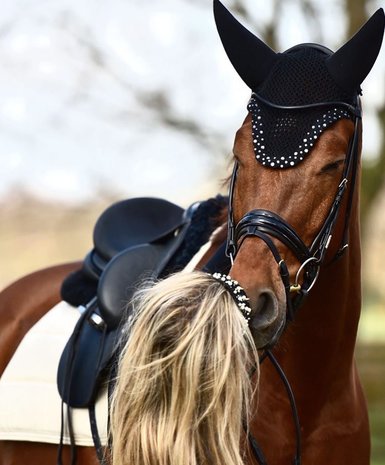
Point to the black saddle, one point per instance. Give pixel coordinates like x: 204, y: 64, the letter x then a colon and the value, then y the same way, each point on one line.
x: 124, y: 225
x: 147, y: 247
x: 134, y: 240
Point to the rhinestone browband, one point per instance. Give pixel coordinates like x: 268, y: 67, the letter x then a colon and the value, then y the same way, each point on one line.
x: 237, y: 293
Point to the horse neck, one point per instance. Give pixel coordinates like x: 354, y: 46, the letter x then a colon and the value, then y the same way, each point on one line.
x: 316, y: 353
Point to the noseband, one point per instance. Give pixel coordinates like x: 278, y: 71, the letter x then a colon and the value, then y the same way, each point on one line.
x: 268, y: 225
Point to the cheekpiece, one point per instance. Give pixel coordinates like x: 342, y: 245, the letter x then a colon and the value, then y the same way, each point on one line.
x: 237, y: 293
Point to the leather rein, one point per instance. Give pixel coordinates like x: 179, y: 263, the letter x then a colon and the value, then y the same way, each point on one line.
x: 267, y: 225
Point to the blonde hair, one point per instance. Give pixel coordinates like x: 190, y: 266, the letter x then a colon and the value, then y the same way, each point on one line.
x: 183, y: 390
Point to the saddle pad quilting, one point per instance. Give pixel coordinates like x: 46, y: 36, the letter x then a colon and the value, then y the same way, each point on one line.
x: 30, y: 405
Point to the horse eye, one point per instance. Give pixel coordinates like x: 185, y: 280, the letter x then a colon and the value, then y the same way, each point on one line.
x: 332, y: 166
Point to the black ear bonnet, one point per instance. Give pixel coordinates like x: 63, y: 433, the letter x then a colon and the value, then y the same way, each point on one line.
x: 298, y: 77
x: 306, y: 74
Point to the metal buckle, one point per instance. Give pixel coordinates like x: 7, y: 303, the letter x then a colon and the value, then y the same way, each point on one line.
x: 296, y: 287
x: 97, y: 321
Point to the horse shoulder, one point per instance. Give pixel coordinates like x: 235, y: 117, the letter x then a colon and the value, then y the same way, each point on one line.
x: 25, y: 301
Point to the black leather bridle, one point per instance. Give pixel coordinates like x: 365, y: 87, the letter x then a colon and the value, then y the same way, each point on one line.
x: 267, y: 225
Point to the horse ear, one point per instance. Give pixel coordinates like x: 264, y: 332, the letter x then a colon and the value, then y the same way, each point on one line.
x: 352, y: 62
x: 251, y: 57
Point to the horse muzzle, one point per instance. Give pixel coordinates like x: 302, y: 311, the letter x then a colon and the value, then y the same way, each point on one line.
x: 258, y: 274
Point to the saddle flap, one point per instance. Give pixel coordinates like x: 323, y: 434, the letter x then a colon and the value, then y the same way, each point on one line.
x: 133, y: 222
x: 85, y: 358
x: 91, y: 348
x: 122, y: 276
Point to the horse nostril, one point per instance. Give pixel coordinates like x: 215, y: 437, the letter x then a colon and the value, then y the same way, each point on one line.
x: 266, y: 310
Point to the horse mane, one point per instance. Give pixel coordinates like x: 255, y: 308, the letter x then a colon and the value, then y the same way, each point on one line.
x: 183, y: 389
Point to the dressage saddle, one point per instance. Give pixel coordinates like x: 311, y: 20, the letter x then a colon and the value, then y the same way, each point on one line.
x: 134, y: 240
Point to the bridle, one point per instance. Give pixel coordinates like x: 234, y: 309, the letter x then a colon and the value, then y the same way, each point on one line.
x: 267, y: 225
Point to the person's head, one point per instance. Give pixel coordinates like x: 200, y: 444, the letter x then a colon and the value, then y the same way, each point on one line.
x: 184, y: 386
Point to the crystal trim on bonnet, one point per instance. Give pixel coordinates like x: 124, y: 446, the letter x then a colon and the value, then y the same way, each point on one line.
x: 289, y: 160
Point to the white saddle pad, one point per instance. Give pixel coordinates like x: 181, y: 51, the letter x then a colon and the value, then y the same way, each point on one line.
x: 30, y: 405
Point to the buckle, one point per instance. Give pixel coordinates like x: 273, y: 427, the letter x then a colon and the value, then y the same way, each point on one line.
x: 297, y: 287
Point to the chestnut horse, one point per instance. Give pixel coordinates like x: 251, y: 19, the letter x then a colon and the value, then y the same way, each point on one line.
x: 294, y: 240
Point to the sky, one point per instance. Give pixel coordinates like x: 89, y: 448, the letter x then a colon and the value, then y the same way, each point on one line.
x: 88, y: 89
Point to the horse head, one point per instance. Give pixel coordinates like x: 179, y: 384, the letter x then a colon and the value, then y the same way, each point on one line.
x: 296, y: 156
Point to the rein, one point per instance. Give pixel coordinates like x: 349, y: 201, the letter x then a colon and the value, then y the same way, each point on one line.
x: 267, y: 225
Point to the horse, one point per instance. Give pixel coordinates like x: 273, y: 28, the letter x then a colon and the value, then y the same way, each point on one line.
x: 293, y: 238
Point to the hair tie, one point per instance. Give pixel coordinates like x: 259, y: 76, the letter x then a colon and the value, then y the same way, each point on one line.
x: 237, y: 293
